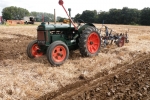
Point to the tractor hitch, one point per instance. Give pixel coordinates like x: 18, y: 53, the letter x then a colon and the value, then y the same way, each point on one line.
x: 109, y: 38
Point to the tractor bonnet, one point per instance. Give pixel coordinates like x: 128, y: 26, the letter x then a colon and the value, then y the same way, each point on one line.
x: 54, y: 27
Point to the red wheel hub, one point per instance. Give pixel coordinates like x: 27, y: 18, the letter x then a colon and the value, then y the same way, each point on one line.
x: 35, y: 50
x: 59, y: 53
x: 121, y: 42
x: 93, y: 42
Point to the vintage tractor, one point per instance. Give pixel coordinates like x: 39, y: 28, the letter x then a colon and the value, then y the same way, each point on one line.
x: 56, y: 40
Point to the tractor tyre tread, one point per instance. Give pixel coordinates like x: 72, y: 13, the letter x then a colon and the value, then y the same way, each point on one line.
x: 50, y: 49
x: 83, y: 41
x: 29, y: 48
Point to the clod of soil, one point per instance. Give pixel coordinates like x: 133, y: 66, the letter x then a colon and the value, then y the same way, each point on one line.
x: 131, y: 82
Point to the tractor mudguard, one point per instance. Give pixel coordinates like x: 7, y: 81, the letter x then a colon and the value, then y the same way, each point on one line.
x: 85, y: 26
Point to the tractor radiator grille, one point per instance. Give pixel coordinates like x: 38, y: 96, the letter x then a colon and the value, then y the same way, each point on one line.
x: 40, y: 36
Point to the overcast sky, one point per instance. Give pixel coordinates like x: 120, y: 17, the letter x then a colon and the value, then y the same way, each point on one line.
x: 77, y: 6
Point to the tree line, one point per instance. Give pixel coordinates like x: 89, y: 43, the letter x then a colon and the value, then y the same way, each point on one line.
x: 117, y: 16
x: 14, y: 13
x: 39, y: 16
x: 113, y: 16
x: 17, y: 13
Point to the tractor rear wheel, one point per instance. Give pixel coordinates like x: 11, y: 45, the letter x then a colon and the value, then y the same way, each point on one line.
x: 90, y: 42
x: 121, y: 41
x: 33, y: 50
x: 57, y: 53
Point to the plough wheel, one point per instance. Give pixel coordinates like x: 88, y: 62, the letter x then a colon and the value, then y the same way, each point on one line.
x: 120, y: 42
x: 57, y: 53
x: 33, y: 50
x: 90, y: 42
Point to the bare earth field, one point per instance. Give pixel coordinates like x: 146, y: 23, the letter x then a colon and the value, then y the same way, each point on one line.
x: 116, y: 73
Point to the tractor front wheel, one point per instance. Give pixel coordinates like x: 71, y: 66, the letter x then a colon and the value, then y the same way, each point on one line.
x: 33, y: 50
x: 57, y: 53
x: 90, y: 42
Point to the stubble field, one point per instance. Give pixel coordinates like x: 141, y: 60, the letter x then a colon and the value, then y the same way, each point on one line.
x: 27, y: 79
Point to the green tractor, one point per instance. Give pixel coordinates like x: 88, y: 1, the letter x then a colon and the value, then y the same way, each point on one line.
x: 56, y: 40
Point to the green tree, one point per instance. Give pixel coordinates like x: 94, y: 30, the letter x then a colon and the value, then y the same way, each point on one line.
x: 145, y: 16
x: 125, y: 15
x: 77, y: 17
x: 103, y: 17
x: 134, y: 16
x: 39, y: 16
x: 114, y: 15
x: 14, y: 13
x: 88, y: 16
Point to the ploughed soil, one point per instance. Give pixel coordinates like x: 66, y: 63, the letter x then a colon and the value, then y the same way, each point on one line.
x: 117, y: 73
x: 127, y: 82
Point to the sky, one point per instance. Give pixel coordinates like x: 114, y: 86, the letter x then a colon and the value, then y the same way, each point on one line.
x: 77, y: 6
